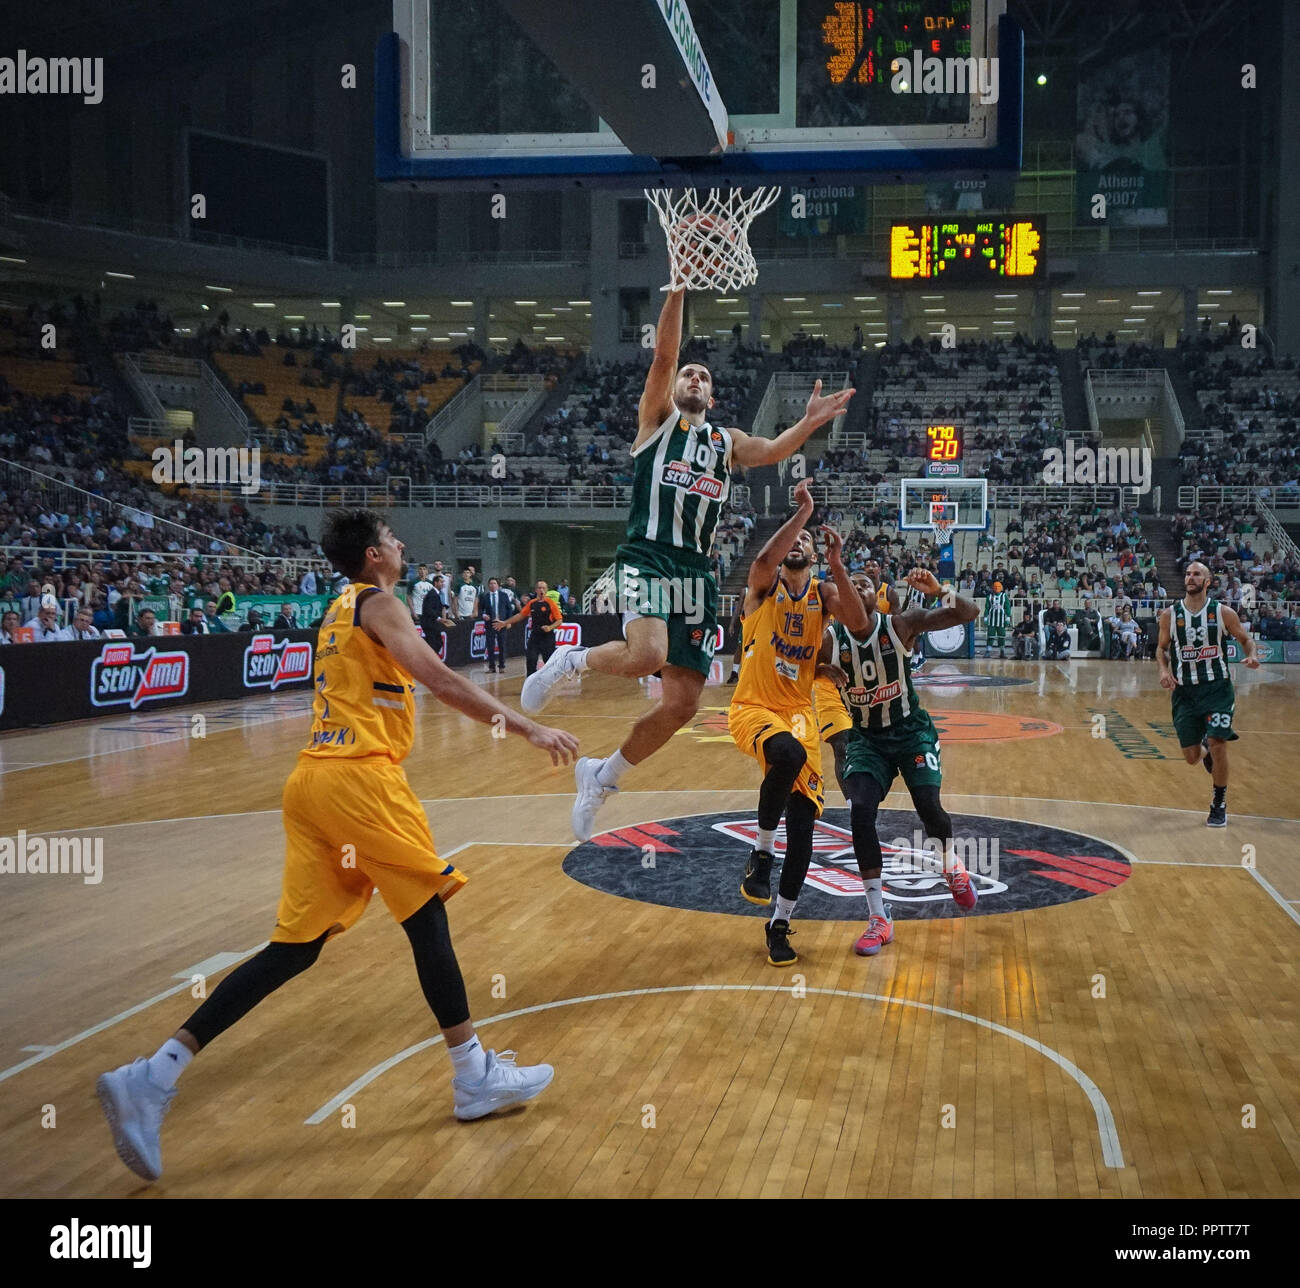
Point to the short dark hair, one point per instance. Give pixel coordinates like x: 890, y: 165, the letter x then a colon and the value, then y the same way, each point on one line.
x: 348, y: 535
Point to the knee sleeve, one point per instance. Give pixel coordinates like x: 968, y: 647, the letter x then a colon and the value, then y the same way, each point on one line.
x: 864, y: 796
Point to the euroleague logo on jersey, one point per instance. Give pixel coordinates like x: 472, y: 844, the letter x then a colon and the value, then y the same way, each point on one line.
x: 696, y: 862
x: 267, y: 663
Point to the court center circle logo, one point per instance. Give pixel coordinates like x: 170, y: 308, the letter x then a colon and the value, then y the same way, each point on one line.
x: 696, y: 862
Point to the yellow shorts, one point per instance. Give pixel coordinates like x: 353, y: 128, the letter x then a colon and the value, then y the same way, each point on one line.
x: 751, y: 726
x: 832, y: 715
x: 351, y: 827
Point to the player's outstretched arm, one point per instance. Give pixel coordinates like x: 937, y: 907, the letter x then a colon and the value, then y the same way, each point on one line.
x: 841, y: 597
x: 763, y: 571
x: 1163, y: 641
x: 746, y: 450
x: 1232, y: 624
x: 657, y: 398
x: 956, y: 611
x: 386, y: 621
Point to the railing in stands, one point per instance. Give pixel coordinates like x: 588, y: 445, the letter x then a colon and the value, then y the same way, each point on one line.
x: 70, y: 499
x: 451, y: 495
x: 1001, y: 496
x: 1280, y: 537
x: 451, y: 411
x: 1197, y: 496
x: 66, y: 557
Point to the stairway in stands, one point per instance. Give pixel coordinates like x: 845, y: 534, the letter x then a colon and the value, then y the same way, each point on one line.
x: 1072, y: 396
x: 734, y: 584
x: 1167, y: 550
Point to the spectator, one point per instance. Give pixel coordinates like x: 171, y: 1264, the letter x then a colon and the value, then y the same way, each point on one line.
x: 254, y: 622
x: 45, y: 624
x: 1123, y: 634
x: 1058, y: 643
x: 1024, y: 639
x: 286, y: 618
x: 146, y: 623
x: 82, y: 627
x: 195, y: 623
x: 212, y: 620
x: 9, y: 623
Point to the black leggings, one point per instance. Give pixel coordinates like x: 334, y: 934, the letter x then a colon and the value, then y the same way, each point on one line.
x: 864, y: 796
x: 800, y: 818
x: 785, y: 757
x: 277, y: 964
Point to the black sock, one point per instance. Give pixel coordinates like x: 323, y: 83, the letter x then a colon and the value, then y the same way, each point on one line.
x: 1220, y: 796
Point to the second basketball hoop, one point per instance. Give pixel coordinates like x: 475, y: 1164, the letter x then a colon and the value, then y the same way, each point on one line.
x: 708, y: 239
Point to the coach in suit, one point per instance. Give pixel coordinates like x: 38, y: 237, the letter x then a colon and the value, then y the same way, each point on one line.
x: 435, y: 618
x: 495, y: 606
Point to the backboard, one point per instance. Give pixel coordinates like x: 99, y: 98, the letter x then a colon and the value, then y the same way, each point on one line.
x: 811, y: 91
x: 964, y: 501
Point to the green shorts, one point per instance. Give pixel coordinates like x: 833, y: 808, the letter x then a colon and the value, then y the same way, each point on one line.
x: 654, y: 580
x: 1204, y: 709
x: 910, y: 749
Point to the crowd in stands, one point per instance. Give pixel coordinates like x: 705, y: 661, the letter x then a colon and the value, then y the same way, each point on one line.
x: 1251, y: 407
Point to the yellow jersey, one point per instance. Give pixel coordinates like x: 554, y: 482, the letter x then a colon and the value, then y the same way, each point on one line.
x: 781, y: 638
x: 365, y: 701
x: 882, y: 597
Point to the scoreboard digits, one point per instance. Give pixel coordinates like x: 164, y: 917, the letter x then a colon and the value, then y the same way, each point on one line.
x: 943, y: 451
x: 968, y: 250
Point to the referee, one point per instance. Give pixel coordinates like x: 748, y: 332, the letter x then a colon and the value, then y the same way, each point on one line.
x: 543, y: 615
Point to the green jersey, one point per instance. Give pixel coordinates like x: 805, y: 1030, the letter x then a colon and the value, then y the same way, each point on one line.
x: 997, y: 610
x: 1198, y: 643
x: 879, y: 694
x: 681, y: 480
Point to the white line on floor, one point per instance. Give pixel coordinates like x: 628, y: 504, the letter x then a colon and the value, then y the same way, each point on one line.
x: 1112, y: 1154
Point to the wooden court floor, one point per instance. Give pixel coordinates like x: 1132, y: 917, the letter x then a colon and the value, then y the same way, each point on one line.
x: 1142, y: 1041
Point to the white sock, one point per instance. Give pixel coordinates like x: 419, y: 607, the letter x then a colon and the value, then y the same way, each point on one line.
x: 950, y: 855
x: 767, y: 839
x: 875, y: 896
x: 168, y: 1063
x: 469, y: 1060
x: 575, y: 661
x: 784, y: 909
x: 612, y: 768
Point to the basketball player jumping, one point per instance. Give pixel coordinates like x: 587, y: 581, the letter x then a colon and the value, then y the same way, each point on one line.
x: 892, y: 734
x: 352, y: 824
x: 835, y: 723
x: 1192, y: 652
x: 772, y: 717
x: 682, y: 468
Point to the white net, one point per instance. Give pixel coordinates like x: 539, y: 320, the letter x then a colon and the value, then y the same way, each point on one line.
x: 942, y: 529
x: 708, y: 240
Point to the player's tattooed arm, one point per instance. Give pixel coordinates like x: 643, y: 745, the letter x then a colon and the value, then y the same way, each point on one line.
x: 765, y: 568
x: 657, y: 399
x: 387, y: 622
x: 953, y: 609
x: 842, y: 600
x: 1232, y: 624
x: 747, y: 450
x: 1163, y: 641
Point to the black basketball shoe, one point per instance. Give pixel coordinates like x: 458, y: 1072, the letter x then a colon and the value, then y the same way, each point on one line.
x: 779, y: 952
x: 757, y: 884
x: 1218, y: 816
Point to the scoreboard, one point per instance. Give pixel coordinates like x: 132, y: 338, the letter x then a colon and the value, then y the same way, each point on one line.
x: 943, y: 451
x: 967, y: 250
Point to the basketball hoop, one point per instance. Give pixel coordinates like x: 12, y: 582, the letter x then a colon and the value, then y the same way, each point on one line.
x: 942, y: 529
x: 708, y: 240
